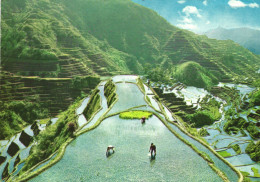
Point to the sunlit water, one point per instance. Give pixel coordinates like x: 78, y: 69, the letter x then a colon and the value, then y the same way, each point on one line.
x: 85, y: 158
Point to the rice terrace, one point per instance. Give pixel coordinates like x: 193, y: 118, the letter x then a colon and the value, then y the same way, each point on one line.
x: 130, y: 90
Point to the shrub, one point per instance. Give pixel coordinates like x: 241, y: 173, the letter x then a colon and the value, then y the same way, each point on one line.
x: 71, y: 127
x: 254, y: 151
x: 203, y: 132
x: 255, y: 98
x: 50, y: 139
x: 236, y: 148
x: 17, y: 114
x: 201, y: 118
x: 252, y: 129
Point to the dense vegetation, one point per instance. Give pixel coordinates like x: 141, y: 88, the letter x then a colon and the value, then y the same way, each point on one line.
x: 192, y: 74
x: 65, y: 39
x: 94, y: 104
x: 255, y: 98
x: 110, y: 92
x: 236, y: 148
x: 203, y: 132
x: 15, y: 115
x: 206, y: 115
x: 101, y: 40
x: 234, y: 125
x: 254, y: 151
x: 50, y: 139
x: 211, y: 105
x: 201, y: 118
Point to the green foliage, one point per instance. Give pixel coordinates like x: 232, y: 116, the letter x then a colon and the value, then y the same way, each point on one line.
x: 254, y: 151
x: 256, y: 172
x: 245, y: 174
x: 253, y: 130
x: 201, y: 118
x: 236, y: 148
x: 93, y: 104
x: 255, y: 98
x: 85, y: 81
x: 140, y: 84
x: 211, y: 106
x: 134, y: 37
x: 148, y: 99
x: 192, y: 74
x: 135, y: 114
x: 50, y: 139
x: 109, y: 92
x: 203, y: 132
x: 256, y: 83
x: 251, y: 147
x: 17, y: 114
x: 234, y: 125
x: 158, y: 74
x: 224, y: 153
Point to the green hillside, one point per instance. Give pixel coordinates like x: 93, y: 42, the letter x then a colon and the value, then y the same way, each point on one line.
x: 80, y: 41
x: 192, y: 74
x: 41, y: 32
x: 107, y: 37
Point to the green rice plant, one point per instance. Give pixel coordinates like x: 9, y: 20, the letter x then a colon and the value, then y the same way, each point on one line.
x: 256, y: 172
x: 135, y: 114
x: 245, y: 174
x: 224, y: 153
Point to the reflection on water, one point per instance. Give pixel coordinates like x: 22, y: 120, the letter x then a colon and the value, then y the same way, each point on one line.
x: 125, y: 78
x: 86, y: 160
x: 83, y: 106
x: 129, y: 96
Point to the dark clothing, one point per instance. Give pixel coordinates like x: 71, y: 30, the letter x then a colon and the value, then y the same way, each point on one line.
x: 153, y: 148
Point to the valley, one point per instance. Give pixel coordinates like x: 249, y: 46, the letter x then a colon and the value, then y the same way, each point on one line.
x: 70, y: 70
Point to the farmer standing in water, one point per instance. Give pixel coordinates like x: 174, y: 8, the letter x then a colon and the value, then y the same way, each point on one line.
x: 152, y: 149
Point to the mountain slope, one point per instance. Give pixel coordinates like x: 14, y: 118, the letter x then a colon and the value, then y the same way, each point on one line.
x: 39, y: 30
x: 246, y: 37
x: 107, y: 37
x: 192, y: 74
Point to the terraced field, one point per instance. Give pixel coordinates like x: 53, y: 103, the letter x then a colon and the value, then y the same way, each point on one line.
x: 179, y: 157
x: 56, y: 93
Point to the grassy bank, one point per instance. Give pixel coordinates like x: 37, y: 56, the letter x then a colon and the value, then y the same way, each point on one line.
x: 110, y: 92
x: 93, y: 104
x: 50, y: 139
x: 15, y: 115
